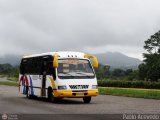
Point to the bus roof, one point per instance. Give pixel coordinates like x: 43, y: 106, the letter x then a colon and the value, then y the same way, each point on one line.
x: 61, y: 54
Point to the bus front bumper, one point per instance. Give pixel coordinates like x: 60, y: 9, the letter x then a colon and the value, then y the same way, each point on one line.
x: 69, y: 93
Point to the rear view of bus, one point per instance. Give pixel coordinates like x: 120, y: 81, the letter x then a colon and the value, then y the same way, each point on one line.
x: 57, y: 75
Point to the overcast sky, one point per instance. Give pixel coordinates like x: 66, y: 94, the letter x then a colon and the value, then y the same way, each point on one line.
x: 93, y: 26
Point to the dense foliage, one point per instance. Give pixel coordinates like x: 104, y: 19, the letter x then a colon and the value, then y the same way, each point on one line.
x: 9, y: 70
x: 129, y: 84
x: 150, y: 69
x: 103, y: 72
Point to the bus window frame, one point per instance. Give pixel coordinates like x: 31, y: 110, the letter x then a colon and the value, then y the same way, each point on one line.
x: 24, y: 66
x: 77, y: 77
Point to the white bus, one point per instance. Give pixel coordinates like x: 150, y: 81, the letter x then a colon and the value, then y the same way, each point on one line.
x: 57, y: 75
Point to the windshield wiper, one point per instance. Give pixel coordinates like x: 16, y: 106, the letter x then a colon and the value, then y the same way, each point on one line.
x: 65, y: 73
x: 83, y: 74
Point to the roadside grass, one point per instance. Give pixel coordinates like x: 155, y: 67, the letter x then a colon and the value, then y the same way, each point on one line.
x: 8, y: 83
x: 130, y: 92
x: 15, y: 79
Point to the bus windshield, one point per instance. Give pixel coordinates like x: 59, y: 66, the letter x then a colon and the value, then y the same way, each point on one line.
x: 75, y: 68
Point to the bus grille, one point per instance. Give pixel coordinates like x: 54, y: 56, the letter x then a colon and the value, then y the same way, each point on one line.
x: 79, y: 86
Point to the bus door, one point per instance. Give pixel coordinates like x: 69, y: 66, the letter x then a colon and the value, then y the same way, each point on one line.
x: 44, y: 73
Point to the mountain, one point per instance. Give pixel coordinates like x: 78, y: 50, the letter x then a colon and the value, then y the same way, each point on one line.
x: 113, y: 59
x: 118, y: 60
x: 12, y: 59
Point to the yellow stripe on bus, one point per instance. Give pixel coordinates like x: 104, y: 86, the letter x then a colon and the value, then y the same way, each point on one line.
x: 53, y: 87
x: 52, y: 82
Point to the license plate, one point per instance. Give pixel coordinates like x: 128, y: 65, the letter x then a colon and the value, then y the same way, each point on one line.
x: 79, y: 94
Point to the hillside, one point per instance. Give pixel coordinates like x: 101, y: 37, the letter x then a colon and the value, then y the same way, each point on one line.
x: 118, y: 60
x: 115, y: 60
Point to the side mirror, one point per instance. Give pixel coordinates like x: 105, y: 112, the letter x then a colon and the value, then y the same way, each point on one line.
x: 95, y: 60
x: 55, y: 61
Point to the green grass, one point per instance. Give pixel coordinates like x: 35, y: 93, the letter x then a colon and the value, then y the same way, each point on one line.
x: 130, y: 92
x: 9, y: 83
x: 12, y: 79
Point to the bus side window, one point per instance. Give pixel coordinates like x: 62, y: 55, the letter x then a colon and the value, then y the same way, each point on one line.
x: 44, y: 67
x: 39, y: 66
x: 29, y: 67
x: 23, y: 66
x: 35, y: 66
x: 51, y: 70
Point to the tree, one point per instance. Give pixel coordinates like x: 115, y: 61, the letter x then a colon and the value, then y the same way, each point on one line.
x: 133, y: 75
x: 152, y: 45
x: 153, y: 67
x: 129, y: 71
x: 142, y: 71
x: 102, y: 72
x: 9, y: 70
x: 118, y: 73
x: 150, y: 69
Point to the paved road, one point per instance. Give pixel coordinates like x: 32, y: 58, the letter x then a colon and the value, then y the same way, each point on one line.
x: 12, y: 102
x: 4, y: 79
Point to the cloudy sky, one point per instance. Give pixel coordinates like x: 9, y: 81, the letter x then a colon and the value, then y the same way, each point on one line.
x: 93, y: 26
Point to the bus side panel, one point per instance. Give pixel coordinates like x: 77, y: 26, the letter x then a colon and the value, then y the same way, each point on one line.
x: 35, y: 84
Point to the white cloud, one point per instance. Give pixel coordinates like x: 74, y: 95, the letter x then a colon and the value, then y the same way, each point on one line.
x: 82, y: 25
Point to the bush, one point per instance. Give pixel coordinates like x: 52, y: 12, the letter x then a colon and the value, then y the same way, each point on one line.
x: 9, y: 70
x: 129, y: 84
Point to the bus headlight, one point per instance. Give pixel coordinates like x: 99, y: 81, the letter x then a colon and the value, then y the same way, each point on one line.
x: 94, y: 86
x: 63, y: 87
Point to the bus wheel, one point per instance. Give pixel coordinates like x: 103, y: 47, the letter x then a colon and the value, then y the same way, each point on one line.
x: 28, y: 93
x: 86, y: 99
x: 51, y: 97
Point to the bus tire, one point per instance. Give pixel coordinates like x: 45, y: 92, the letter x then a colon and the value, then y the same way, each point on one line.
x: 86, y: 99
x: 28, y: 93
x: 51, y: 97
